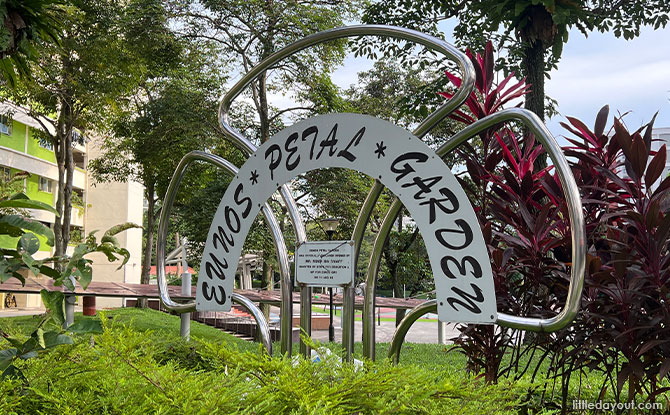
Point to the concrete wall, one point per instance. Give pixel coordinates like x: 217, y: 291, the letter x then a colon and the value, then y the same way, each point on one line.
x: 109, y: 204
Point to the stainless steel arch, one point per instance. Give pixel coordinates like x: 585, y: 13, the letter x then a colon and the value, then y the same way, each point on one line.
x: 407, y: 321
x: 263, y: 326
x: 161, y: 243
x: 433, y: 119
x: 577, y: 229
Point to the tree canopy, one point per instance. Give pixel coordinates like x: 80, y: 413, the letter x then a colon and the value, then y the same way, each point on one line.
x: 533, y: 32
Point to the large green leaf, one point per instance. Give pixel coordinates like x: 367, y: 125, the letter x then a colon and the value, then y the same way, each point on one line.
x: 85, y: 275
x: 30, y: 225
x: 28, y: 355
x: 19, y: 196
x: 86, y: 326
x: 7, y: 229
x: 29, y: 243
x: 53, y: 301
x: 39, y: 335
x: 54, y: 338
x: 6, y: 358
x: 27, y: 204
x: 31, y: 263
x: 49, y: 272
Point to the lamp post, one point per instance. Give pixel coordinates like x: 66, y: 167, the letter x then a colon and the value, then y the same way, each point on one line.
x: 330, y: 226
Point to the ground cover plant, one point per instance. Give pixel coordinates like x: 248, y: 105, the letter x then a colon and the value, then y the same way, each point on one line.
x: 126, y: 370
x: 141, y: 354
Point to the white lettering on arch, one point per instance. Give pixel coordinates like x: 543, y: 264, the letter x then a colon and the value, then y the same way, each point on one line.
x: 403, y: 163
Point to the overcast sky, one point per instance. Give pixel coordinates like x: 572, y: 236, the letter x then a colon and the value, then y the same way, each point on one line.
x: 631, y: 76
x: 601, y: 69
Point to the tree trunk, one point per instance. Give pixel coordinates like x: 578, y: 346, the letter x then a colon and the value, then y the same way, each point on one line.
x: 60, y: 199
x: 63, y: 151
x: 397, y: 290
x: 263, y: 110
x: 148, y: 248
x: 533, y: 63
x: 266, y: 285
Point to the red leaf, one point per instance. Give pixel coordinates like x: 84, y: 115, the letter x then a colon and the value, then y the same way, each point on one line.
x: 655, y: 167
x: 648, y: 131
x: 479, y: 77
x: 665, y: 368
x: 453, y: 79
x: 650, y: 345
x: 587, y: 134
x: 601, y: 121
x: 639, y: 156
x: 623, y: 138
x: 488, y: 65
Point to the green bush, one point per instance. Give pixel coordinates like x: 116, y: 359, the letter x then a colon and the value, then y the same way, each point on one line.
x: 124, y: 371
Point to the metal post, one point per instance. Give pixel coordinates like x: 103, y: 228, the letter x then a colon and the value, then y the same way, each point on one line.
x: 441, y: 328
x: 348, y: 322
x: 331, y: 329
x: 185, y: 329
x: 305, y: 317
x: 69, y: 310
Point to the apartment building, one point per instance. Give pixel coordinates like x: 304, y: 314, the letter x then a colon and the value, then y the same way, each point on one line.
x: 96, y: 206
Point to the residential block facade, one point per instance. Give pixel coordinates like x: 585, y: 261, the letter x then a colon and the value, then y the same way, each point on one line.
x: 96, y: 206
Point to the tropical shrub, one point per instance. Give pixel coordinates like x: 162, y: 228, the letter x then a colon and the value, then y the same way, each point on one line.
x: 19, y: 262
x: 518, y: 218
x: 625, y: 322
x: 622, y: 329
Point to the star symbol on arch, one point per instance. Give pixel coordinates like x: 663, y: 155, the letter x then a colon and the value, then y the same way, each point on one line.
x: 380, y: 150
x: 254, y: 177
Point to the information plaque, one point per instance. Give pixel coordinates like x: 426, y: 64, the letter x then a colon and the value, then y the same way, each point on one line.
x: 325, y: 263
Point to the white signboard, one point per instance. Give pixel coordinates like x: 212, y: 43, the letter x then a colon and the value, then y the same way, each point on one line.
x: 403, y: 163
x: 325, y: 263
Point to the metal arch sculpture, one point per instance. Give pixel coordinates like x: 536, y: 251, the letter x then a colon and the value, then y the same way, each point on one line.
x: 431, y: 121
x: 161, y: 244
x: 577, y: 230
x: 248, y: 148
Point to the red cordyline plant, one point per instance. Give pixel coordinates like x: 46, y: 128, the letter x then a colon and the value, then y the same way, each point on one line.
x: 625, y: 323
x: 623, y: 327
x: 518, y: 216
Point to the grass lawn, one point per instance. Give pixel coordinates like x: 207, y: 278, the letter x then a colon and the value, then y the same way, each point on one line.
x: 318, y: 309
x: 164, y: 327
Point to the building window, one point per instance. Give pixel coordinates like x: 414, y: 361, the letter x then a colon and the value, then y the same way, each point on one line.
x: 5, y: 124
x: 6, y: 174
x: 77, y: 138
x: 44, y: 143
x: 45, y: 185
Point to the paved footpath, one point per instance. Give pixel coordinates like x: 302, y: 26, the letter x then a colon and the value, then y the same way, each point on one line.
x: 420, y: 332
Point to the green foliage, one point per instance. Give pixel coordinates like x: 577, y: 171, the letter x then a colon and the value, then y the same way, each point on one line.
x: 41, y: 340
x: 25, y: 24
x: 134, y: 374
x: 15, y: 263
x: 532, y: 32
x: 79, y: 268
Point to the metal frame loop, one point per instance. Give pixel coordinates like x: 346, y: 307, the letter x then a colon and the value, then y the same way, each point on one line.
x: 404, y: 326
x: 575, y: 214
x: 263, y: 326
x: 433, y: 119
x: 161, y: 243
x: 577, y: 230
